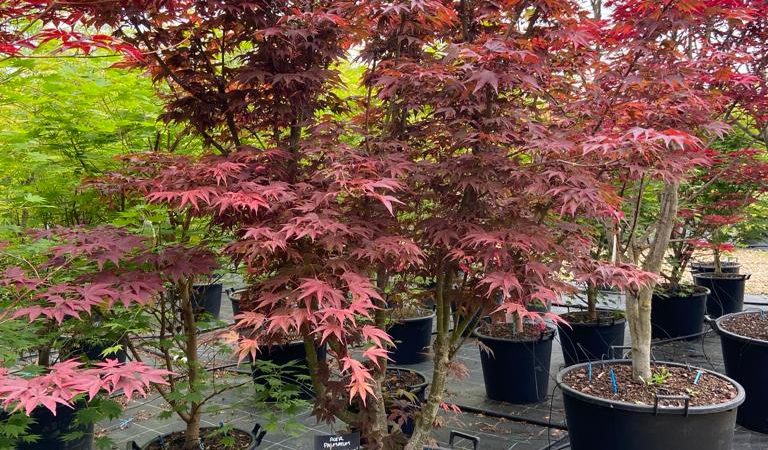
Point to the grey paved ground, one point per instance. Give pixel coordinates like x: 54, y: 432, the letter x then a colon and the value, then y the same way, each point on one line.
x: 495, y: 434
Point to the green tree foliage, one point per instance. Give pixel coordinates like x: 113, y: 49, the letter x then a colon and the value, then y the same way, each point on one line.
x: 63, y: 119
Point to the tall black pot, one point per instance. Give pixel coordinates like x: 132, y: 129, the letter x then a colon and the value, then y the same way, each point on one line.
x: 676, y: 315
x: 207, y: 298
x: 51, y: 430
x: 412, y: 338
x: 297, y: 374
x: 709, y: 266
x: 582, y: 340
x: 746, y: 361
x: 599, y: 424
x: 516, y: 371
x: 726, y: 294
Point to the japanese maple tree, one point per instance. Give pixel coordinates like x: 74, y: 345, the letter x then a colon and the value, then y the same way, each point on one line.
x: 714, y: 201
x: 654, y: 112
x: 65, y: 280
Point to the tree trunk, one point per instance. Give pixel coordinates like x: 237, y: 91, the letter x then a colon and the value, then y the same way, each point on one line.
x: 436, y: 391
x: 442, y: 348
x: 192, y: 432
x: 718, y: 264
x: 592, y: 302
x: 639, y: 320
x: 639, y: 303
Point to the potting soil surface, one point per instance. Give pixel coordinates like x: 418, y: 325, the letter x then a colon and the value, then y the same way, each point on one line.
x: 703, y: 389
x: 141, y: 419
x: 754, y: 325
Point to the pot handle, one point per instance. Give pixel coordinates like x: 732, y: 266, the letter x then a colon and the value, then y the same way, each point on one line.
x: 712, y: 322
x: 618, y: 350
x: 474, y: 439
x: 684, y: 398
x: 258, y: 433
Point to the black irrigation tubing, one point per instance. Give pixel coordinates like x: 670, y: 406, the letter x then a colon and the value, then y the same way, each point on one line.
x: 511, y: 417
x: 551, y: 446
x: 756, y: 303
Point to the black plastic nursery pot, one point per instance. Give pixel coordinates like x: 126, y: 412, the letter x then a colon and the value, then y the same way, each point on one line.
x: 516, y: 371
x: 676, y: 315
x: 295, y: 353
x: 412, y: 338
x: 234, y: 299
x: 746, y: 361
x: 419, y: 391
x: 95, y: 352
x: 583, y: 340
x: 52, y: 429
x: 726, y: 294
x: 207, y: 298
x: 599, y: 424
x: 709, y: 266
x: 538, y: 307
x: 161, y: 441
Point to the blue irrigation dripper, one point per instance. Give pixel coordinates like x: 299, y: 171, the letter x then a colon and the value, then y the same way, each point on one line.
x: 125, y: 423
x: 589, y: 370
x: 698, y: 377
x: 613, y: 381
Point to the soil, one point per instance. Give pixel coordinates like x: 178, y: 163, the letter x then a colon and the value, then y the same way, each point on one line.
x: 751, y: 325
x: 175, y: 441
x: 530, y: 331
x: 664, y: 290
x: 396, y: 380
x: 410, y: 313
x: 710, y: 390
x: 603, y: 317
x: 711, y: 264
x: 721, y: 276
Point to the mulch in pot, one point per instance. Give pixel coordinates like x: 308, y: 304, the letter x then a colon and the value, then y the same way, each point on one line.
x: 211, y: 441
x: 753, y: 325
x: 604, y: 317
x: 396, y: 380
x: 530, y: 331
x: 710, y: 389
x: 410, y: 313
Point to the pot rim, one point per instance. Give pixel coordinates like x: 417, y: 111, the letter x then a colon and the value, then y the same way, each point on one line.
x: 722, y: 331
x: 547, y: 335
x: 665, y: 295
x: 625, y: 406
x: 236, y: 294
x: 207, y: 285
x: 712, y: 263
x: 600, y: 323
x: 415, y: 319
x: 250, y: 433
x: 722, y: 276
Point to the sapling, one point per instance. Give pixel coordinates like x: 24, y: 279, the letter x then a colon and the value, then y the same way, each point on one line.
x: 63, y: 282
